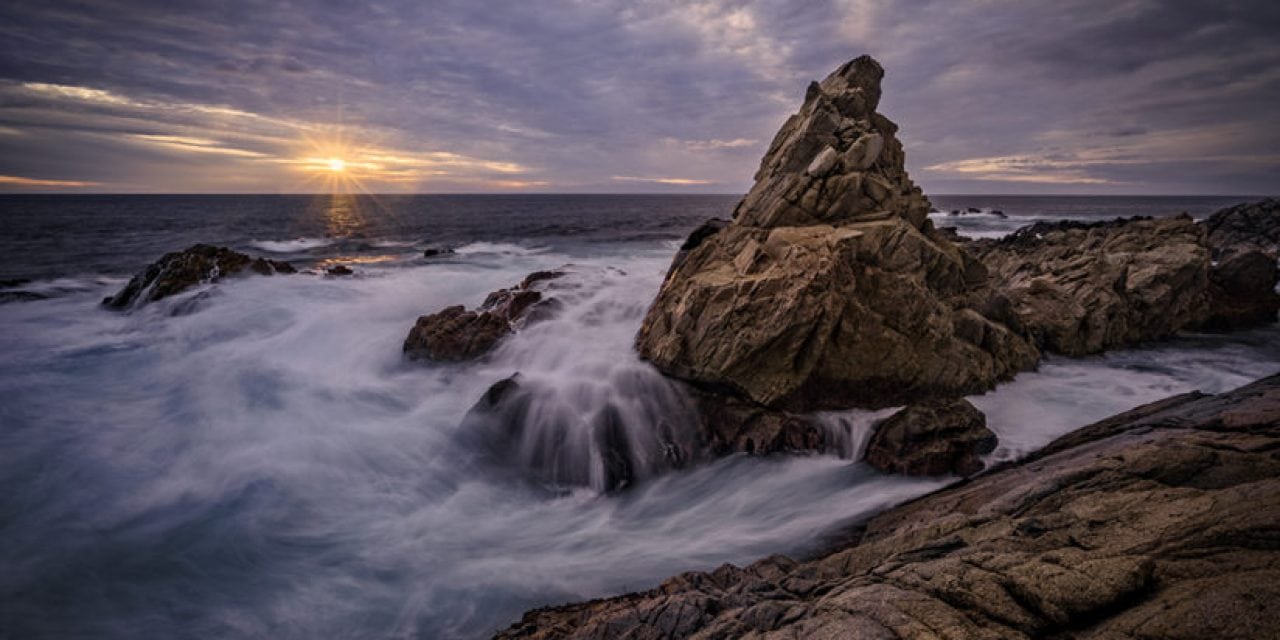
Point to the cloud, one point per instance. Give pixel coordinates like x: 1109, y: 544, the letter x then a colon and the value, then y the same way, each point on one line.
x: 574, y: 94
x: 671, y: 181
x: 19, y: 181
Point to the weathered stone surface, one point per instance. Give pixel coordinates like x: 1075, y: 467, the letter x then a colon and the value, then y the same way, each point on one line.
x: 1245, y: 227
x: 1157, y: 523
x: 819, y: 316
x: 180, y: 270
x: 1242, y: 291
x: 456, y: 334
x: 830, y: 288
x: 1081, y: 288
x: 932, y: 438
x: 836, y: 160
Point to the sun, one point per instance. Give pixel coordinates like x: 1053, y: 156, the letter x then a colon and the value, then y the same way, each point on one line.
x: 337, y: 165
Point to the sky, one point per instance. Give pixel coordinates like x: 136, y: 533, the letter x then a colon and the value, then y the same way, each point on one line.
x: 628, y: 96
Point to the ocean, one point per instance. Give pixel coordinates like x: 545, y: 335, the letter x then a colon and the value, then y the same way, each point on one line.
x: 257, y: 459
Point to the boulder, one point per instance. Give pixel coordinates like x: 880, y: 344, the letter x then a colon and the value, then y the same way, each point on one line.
x: 522, y: 425
x: 1156, y: 523
x: 178, y: 271
x: 1245, y: 227
x: 339, y: 270
x: 1242, y: 291
x: 1081, y: 288
x: 933, y: 438
x: 456, y: 334
x: 830, y: 288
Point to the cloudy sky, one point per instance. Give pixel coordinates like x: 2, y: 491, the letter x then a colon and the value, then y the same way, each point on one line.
x: 993, y: 96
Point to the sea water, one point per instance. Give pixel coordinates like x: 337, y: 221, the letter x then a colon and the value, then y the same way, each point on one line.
x: 256, y: 458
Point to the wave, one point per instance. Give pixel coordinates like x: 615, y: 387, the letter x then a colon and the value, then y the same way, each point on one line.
x: 297, y: 245
x: 274, y: 459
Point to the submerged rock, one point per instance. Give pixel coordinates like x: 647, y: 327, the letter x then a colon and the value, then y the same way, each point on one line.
x: 830, y: 288
x: 456, y: 334
x: 520, y: 424
x: 931, y: 439
x: 1156, y: 523
x: 339, y: 270
x: 180, y: 270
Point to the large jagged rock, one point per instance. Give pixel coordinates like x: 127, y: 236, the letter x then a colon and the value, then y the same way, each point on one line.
x: 178, y: 271
x: 1157, y: 523
x: 1244, y: 227
x: 932, y: 438
x: 1082, y: 288
x: 830, y: 288
x: 456, y: 334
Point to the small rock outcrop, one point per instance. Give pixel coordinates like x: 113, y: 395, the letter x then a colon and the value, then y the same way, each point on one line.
x: 933, y: 438
x: 518, y: 425
x: 1157, y: 523
x: 522, y: 426
x: 1081, y: 288
x: 178, y: 271
x: 456, y: 334
x: 1244, y: 227
x: 830, y: 288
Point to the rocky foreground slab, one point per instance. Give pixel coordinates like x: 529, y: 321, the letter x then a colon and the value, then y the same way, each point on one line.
x: 1161, y: 522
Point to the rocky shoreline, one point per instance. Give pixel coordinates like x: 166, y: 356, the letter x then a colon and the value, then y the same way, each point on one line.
x: 1160, y: 522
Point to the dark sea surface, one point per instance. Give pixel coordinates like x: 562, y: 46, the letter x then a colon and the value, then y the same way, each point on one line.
x: 255, y: 459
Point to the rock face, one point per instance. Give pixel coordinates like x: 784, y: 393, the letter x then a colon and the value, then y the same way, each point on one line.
x: 1079, y: 288
x: 830, y: 288
x: 1157, y: 523
x: 931, y: 439
x: 456, y: 334
x: 1242, y: 291
x: 180, y: 270
x: 518, y: 425
x: 1082, y: 288
x: 1253, y: 225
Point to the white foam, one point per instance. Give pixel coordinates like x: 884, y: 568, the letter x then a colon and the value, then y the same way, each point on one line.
x: 296, y: 245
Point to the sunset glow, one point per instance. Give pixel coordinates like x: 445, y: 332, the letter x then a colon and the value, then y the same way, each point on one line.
x: 337, y: 165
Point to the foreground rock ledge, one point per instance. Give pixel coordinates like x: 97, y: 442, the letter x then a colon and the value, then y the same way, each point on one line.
x: 1161, y: 522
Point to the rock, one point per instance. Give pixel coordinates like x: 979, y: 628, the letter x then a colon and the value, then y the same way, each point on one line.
x: 456, y: 334
x: 1245, y: 227
x: 931, y: 439
x: 830, y: 288
x: 178, y: 271
x: 1242, y: 291
x: 339, y: 270
x: 836, y: 160
x: 435, y: 252
x: 1157, y: 523
x: 973, y: 210
x: 521, y: 425
x: 1081, y: 288
x: 998, y: 213
x: 731, y: 425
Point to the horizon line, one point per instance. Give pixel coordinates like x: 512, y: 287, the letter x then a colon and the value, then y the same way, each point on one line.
x: 605, y: 193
